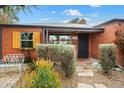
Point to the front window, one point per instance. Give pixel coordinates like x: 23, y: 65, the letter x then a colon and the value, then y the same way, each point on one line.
x: 26, y: 40
x: 60, y: 39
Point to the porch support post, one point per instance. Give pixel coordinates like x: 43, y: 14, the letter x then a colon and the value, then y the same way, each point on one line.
x: 43, y: 35
x: 47, y: 38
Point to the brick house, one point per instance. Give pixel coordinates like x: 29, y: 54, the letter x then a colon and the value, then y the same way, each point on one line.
x: 14, y: 37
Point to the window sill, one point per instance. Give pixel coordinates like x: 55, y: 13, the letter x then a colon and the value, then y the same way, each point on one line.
x: 27, y: 48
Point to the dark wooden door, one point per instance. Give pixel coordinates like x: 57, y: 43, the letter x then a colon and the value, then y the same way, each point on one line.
x: 83, y: 45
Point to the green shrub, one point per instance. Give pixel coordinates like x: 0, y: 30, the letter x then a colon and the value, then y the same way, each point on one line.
x: 107, y: 56
x: 63, y: 56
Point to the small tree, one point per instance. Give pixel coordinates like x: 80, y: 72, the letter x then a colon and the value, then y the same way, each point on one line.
x: 78, y: 21
x: 119, y: 40
x: 9, y: 13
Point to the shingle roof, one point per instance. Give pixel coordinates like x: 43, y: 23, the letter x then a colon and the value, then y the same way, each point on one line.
x: 52, y: 25
x: 110, y: 21
x: 61, y: 26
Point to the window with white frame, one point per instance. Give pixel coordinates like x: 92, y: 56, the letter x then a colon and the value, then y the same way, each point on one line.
x: 62, y: 39
x: 26, y: 40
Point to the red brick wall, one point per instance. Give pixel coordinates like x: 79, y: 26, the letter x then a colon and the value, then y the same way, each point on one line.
x: 94, y: 39
x: 103, y: 38
x: 7, y: 39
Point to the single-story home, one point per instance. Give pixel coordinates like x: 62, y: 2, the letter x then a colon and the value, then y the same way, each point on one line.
x: 14, y: 37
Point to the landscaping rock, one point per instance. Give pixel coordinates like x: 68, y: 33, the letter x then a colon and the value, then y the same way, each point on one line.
x: 83, y: 85
x: 86, y: 73
x: 96, y: 67
x: 117, y: 69
x: 100, y: 86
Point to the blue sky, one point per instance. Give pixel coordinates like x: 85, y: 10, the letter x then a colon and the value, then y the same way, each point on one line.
x: 94, y: 14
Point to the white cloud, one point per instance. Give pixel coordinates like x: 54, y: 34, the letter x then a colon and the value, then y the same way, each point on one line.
x: 44, y: 19
x: 95, y: 6
x: 94, y: 15
x: 53, y: 12
x: 66, y: 21
x: 87, y: 19
x: 72, y: 12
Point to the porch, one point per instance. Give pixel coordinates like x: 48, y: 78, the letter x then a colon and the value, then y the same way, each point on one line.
x: 74, y: 34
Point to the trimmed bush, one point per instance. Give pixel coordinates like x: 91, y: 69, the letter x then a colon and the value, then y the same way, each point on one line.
x: 107, y: 56
x: 63, y: 56
x: 43, y: 77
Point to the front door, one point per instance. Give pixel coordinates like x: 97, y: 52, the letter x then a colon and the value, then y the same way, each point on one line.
x: 83, y: 49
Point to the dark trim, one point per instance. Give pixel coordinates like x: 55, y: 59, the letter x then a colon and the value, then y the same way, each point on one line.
x: 76, y: 28
x: 16, y: 25
x: 0, y: 42
x: 62, y: 34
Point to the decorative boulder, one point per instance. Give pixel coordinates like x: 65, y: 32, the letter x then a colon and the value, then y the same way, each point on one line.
x: 96, y: 67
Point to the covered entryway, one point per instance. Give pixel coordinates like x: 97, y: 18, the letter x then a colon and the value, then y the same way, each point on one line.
x: 83, y: 45
x: 77, y: 33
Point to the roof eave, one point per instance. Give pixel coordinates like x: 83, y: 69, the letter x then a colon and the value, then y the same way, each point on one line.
x: 60, y: 28
x: 83, y: 30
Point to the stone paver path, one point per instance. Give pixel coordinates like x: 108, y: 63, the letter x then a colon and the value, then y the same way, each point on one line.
x: 100, y: 86
x: 83, y: 85
x: 84, y: 71
x: 9, y: 80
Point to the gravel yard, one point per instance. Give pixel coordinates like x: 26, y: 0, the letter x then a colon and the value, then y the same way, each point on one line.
x: 10, y: 76
x: 115, y: 81
x: 8, y: 80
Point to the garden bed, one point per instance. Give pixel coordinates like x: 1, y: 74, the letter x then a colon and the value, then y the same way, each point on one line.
x: 117, y: 81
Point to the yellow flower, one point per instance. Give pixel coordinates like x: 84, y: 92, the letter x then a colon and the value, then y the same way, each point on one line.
x: 33, y: 73
x: 44, y: 63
